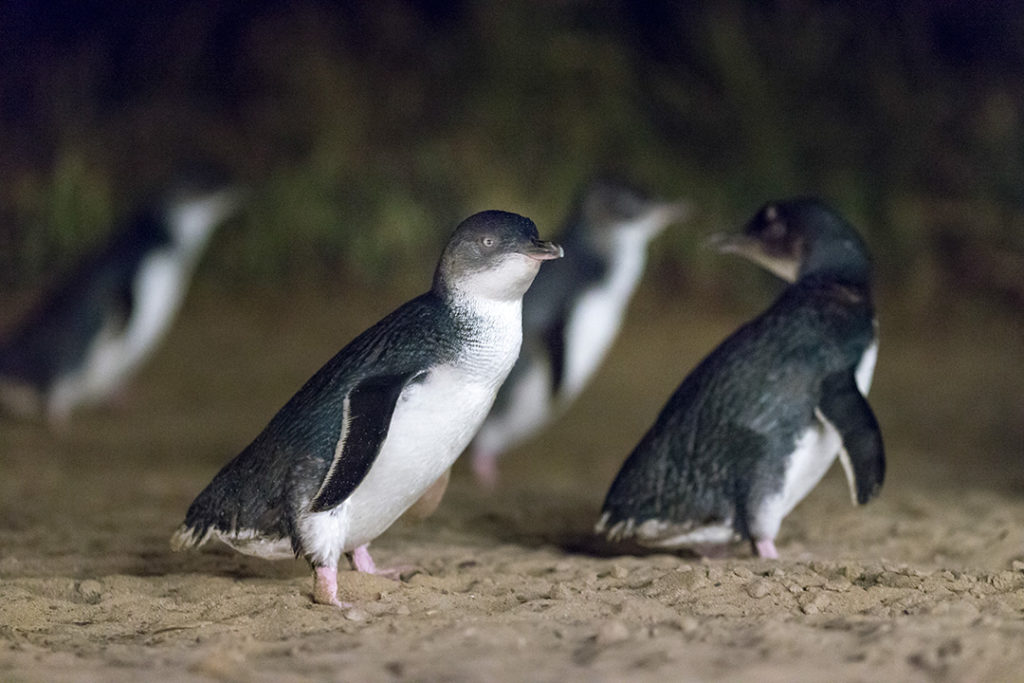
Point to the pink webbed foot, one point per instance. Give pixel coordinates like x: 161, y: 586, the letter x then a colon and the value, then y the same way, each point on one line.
x: 765, y: 548
x: 362, y: 562
x: 485, y: 469
x: 325, y: 587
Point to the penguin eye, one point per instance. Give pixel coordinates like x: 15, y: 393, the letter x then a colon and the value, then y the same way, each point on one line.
x: 776, y: 229
x: 487, y: 241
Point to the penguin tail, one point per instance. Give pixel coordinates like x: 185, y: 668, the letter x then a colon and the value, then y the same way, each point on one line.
x: 189, y: 537
x: 246, y: 541
x: 614, y: 530
x: 257, y: 531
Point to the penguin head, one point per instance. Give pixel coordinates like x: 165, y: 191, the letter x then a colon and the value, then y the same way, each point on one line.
x: 493, y: 255
x: 799, y: 237
x: 198, y: 202
x: 611, y: 208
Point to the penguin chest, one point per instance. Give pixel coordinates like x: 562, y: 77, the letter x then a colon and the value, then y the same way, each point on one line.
x: 433, y: 422
x: 157, y: 292
x: 159, y: 289
x: 596, y: 318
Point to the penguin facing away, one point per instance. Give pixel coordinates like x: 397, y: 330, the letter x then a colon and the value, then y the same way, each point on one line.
x: 384, y: 418
x: 755, y: 426
x: 573, y: 313
x: 97, y: 327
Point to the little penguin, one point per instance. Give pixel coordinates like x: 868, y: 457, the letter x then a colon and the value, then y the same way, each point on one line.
x: 755, y: 426
x: 385, y: 418
x: 573, y: 312
x: 85, y: 338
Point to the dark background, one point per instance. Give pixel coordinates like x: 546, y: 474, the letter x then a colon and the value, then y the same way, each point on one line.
x: 367, y: 130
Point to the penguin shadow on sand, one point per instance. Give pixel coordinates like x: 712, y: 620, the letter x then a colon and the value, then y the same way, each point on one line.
x: 530, y: 519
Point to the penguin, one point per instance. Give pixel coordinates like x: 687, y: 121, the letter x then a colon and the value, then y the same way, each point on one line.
x: 758, y: 422
x: 573, y: 312
x: 382, y: 420
x: 84, y: 340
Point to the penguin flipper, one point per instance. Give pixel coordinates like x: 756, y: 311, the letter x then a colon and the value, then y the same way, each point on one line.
x: 554, y: 342
x: 367, y: 412
x: 862, y: 454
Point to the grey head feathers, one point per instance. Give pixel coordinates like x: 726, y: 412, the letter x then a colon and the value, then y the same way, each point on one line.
x: 801, y: 237
x: 493, y: 255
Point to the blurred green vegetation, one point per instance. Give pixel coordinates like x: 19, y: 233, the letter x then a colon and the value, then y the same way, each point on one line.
x: 367, y: 130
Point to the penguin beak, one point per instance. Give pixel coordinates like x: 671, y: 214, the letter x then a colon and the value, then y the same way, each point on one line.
x: 672, y: 212
x: 543, y: 251
x: 753, y: 250
x: 731, y: 243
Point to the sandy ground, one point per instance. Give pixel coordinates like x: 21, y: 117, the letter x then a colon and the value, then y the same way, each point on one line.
x: 924, y: 584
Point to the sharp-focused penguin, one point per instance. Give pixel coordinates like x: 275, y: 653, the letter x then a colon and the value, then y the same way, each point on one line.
x: 85, y: 339
x: 758, y: 422
x: 385, y: 418
x: 573, y: 313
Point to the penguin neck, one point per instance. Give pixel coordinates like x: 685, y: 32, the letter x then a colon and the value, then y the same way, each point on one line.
x: 850, y: 290
x: 472, y: 309
x: 841, y: 260
x: 490, y: 330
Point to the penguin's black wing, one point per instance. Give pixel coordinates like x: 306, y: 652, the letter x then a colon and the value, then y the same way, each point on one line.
x: 366, y: 417
x: 863, y: 455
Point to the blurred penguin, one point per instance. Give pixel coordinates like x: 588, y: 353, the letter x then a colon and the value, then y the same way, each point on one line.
x: 96, y: 328
x: 573, y: 313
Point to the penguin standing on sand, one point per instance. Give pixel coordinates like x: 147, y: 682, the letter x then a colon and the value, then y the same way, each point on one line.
x: 99, y: 325
x: 758, y: 422
x: 385, y: 418
x: 573, y: 313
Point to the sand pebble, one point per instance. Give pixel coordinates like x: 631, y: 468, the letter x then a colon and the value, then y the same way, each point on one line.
x: 689, y: 625
x: 814, y: 603
x: 743, y: 572
x: 356, y: 614
x: 838, y: 585
x: 619, y: 572
x: 560, y: 592
x: 403, y: 611
x: 1002, y: 581
x: 759, y: 588
x: 612, y: 631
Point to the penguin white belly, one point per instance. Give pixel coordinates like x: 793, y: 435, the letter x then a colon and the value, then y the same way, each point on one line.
x: 813, y: 453
x: 433, y: 422
x: 591, y: 330
x: 597, y: 316
x: 157, y: 292
x: 529, y: 406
